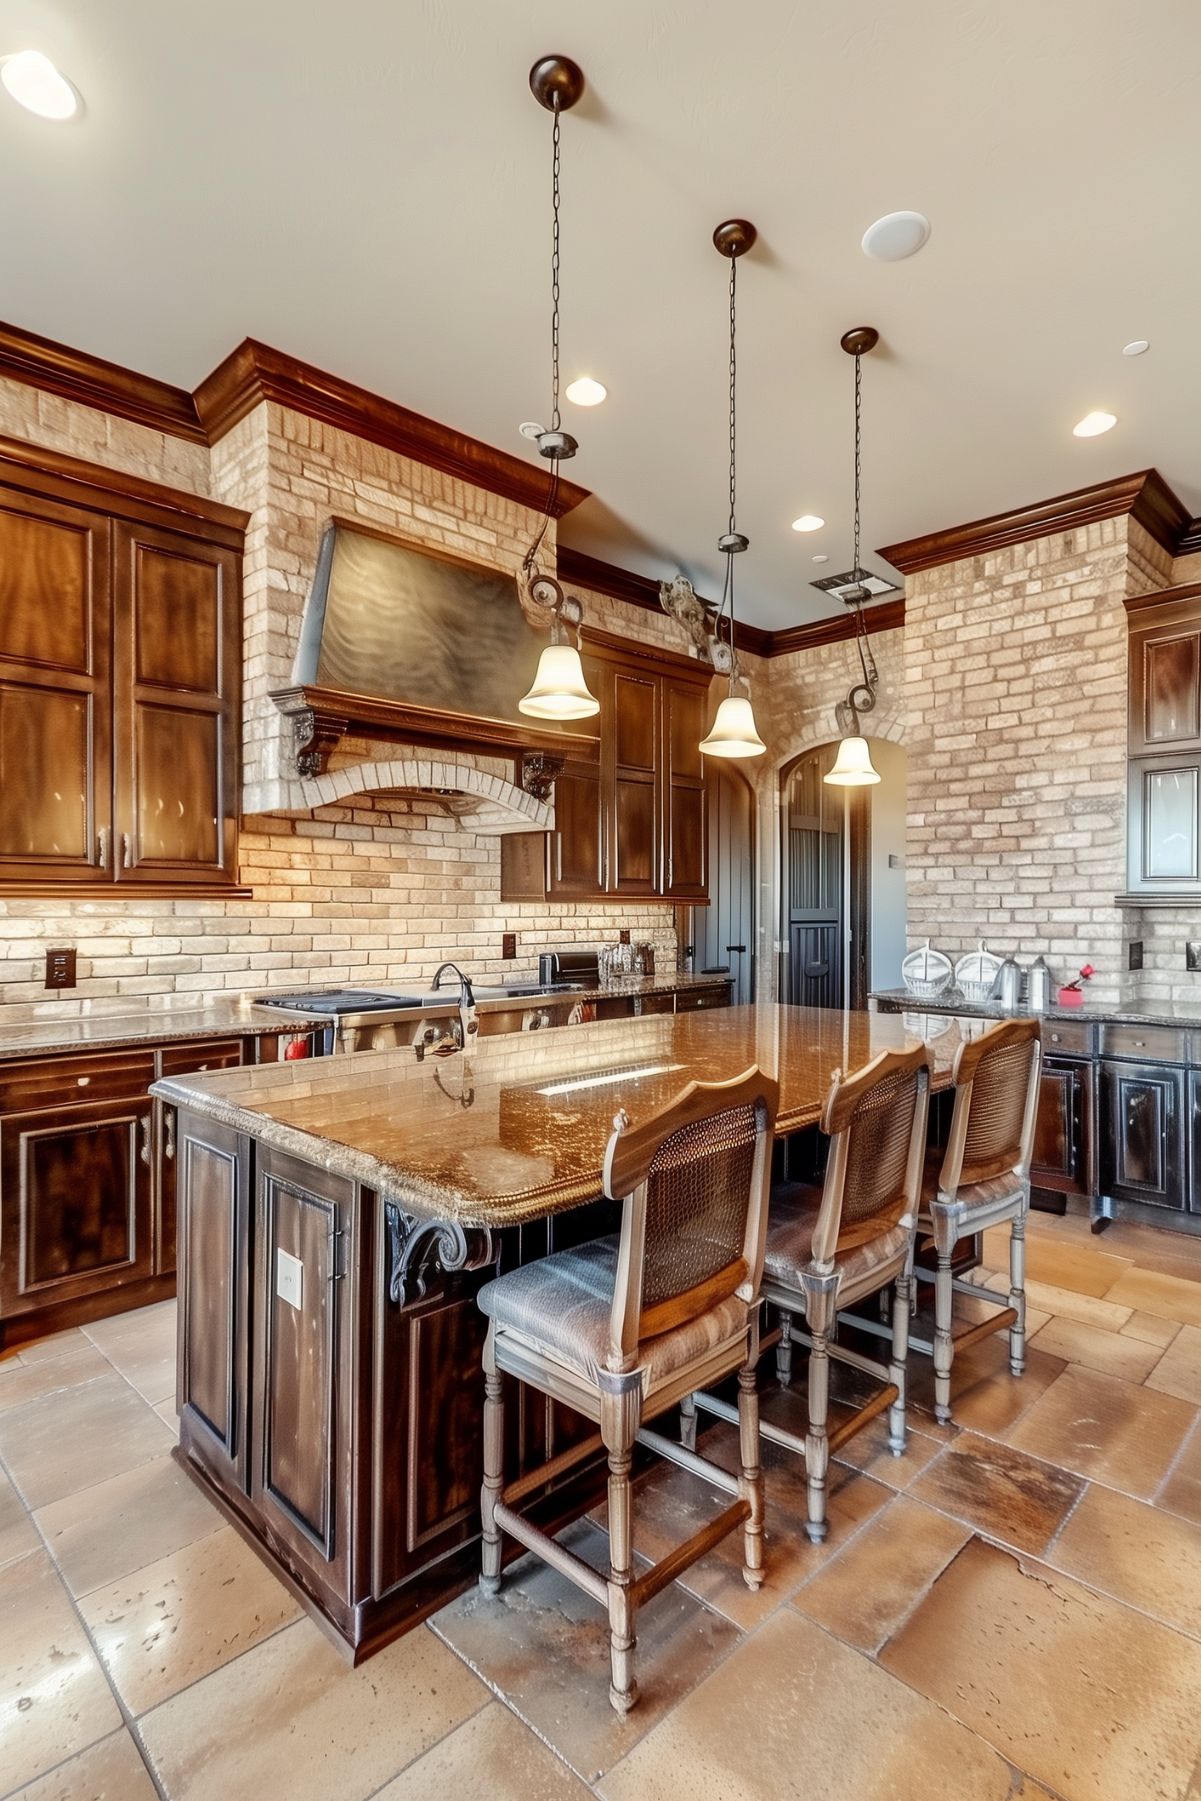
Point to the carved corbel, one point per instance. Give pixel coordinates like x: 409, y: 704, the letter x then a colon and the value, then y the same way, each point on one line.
x: 539, y: 773
x: 420, y: 1248
x: 313, y: 738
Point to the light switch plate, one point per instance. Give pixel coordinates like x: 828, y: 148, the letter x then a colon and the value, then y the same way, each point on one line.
x: 1192, y: 954
x: 289, y: 1279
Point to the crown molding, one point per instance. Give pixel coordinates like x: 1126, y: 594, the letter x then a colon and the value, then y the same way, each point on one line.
x: 1190, y: 539
x: 1144, y: 496
x: 254, y: 372
x: 90, y: 381
x: 583, y: 571
x: 883, y: 616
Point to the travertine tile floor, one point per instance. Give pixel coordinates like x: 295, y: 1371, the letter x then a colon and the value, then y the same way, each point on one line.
x: 1012, y: 1610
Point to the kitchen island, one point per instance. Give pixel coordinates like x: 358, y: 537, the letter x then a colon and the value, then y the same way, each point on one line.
x: 336, y: 1220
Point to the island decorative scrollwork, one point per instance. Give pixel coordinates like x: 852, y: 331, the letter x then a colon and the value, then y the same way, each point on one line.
x: 419, y: 1246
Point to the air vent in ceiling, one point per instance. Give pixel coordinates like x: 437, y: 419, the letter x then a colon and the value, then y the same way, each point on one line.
x: 847, y: 587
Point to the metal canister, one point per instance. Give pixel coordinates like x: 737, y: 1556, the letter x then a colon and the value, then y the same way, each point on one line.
x: 1040, y: 987
x: 1007, y: 986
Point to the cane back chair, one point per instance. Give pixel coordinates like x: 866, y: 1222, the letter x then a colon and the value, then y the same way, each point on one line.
x: 621, y: 1328
x: 830, y: 1247
x: 983, y: 1179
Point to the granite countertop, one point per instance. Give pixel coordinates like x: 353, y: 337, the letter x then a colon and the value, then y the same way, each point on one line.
x: 1126, y: 1010
x: 234, y: 1016
x: 517, y: 1128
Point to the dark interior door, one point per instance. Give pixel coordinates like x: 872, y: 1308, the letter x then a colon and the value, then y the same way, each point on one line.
x: 813, y: 867
x: 725, y: 928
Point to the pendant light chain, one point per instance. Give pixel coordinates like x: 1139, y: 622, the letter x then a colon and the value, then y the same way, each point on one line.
x: 733, y: 384
x: 858, y: 452
x: 555, y: 420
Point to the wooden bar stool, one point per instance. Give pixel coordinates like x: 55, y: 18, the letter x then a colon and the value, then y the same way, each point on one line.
x: 622, y: 1328
x: 831, y: 1247
x: 983, y: 1179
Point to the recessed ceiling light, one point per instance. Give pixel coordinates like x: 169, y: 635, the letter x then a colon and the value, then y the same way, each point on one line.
x: 586, y: 392
x: 895, y: 236
x: 1093, y: 424
x: 1136, y: 347
x: 808, y: 522
x: 821, y: 559
x: 34, y: 83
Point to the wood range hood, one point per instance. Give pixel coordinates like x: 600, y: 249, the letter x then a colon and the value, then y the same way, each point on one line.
x: 405, y: 682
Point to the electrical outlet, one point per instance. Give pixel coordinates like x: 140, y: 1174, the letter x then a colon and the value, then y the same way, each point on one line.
x: 1192, y: 954
x: 60, y: 968
x: 508, y: 946
x: 289, y: 1279
x: 1134, y: 954
x: 624, y: 935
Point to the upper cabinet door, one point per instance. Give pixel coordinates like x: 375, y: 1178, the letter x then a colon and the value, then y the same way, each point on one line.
x: 1165, y: 688
x: 178, y: 669
x: 55, y: 753
x: 633, y: 826
x: 685, y: 826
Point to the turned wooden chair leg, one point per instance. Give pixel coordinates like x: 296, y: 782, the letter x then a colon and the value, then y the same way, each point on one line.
x: 944, y: 1348
x: 784, y: 1351
x: 623, y: 1690
x: 751, y: 1474
x: 897, y: 1368
x: 817, y: 1444
x: 688, y: 1422
x: 1017, y: 1294
x: 494, y: 1459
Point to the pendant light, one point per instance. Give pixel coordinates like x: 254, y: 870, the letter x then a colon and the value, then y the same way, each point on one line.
x: 559, y: 690
x: 733, y: 733
x: 853, y: 766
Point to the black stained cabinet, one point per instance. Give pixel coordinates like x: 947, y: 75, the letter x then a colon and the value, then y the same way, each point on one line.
x: 1144, y: 1151
x: 1163, y: 808
x: 212, y: 1378
x: 1063, y: 1132
x: 1194, y: 1166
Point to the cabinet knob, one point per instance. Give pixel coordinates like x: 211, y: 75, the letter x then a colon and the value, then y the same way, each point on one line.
x: 126, y: 851
x: 144, y: 1128
x: 169, y: 1132
x: 102, y: 847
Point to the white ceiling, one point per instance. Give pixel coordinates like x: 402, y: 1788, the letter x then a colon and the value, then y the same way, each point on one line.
x: 366, y: 187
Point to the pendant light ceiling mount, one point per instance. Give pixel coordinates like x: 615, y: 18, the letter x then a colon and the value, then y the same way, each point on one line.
x: 557, y: 83
x: 859, y: 340
x: 734, y: 237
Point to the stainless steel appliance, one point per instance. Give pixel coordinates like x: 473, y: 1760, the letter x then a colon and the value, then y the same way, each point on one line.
x: 436, y: 1021
x: 581, y: 967
x: 1007, y: 987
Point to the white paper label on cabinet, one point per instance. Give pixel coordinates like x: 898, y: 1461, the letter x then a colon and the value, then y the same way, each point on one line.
x: 289, y: 1278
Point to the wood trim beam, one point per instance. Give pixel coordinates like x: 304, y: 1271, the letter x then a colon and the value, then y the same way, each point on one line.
x: 91, y: 381
x: 881, y: 616
x: 1144, y: 496
x: 254, y: 373
x: 580, y: 570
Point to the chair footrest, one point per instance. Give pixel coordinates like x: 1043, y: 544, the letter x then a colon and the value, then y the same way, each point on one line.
x: 868, y: 1411
x: 985, y: 1328
x: 685, y: 1555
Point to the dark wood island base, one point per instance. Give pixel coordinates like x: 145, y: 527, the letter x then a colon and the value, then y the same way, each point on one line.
x: 329, y: 1385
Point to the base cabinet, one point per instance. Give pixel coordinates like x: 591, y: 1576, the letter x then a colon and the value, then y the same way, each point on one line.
x: 1144, y: 1155
x: 1063, y: 1135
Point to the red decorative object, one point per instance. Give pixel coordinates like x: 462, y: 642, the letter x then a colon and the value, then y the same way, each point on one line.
x: 295, y: 1049
x: 1071, y: 997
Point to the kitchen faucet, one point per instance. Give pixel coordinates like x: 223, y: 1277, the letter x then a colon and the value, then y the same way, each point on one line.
x: 469, y: 1023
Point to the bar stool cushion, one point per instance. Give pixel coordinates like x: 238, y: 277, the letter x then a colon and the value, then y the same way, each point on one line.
x: 977, y: 1204
x: 562, y: 1304
x: 790, y: 1227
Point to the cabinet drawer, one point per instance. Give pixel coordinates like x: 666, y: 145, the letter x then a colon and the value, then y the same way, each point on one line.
x: 201, y: 1054
x: 68, y: 1081
x: 653, y: 1003
x: 691, y: 1000
x: 1149, y: 1044
x: 1067, y: 1038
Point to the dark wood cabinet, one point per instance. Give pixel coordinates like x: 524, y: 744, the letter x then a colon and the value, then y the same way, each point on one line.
x: 177, y: 682
x: 212, y: 1384
x: 174, y: 1060
x: 55, y: 717
x: 1063, y: 1134
x: 635, y: 823
x: 1194, y: 1147
x: 120, y: 671
x: 1143, y: 1123
x: 1163, y: 813
x: 75, y: 1202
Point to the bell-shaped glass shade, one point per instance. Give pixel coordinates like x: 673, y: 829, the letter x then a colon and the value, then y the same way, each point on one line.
x: 559, y: 690
x: 853, y: 765
x: 734, y: 733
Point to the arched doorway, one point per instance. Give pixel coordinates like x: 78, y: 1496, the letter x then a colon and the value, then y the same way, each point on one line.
x: 725, y: 929
x: 843, y: 883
